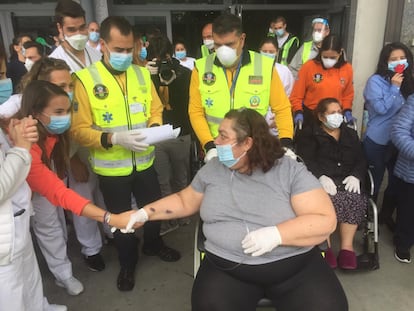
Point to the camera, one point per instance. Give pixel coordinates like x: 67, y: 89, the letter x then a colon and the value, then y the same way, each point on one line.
x: 166, y: 71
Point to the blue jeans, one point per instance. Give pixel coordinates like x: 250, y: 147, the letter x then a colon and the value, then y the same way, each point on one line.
x: 379, y: 158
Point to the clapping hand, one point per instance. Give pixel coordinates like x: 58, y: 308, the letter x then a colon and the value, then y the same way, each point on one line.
x: 23, y: 133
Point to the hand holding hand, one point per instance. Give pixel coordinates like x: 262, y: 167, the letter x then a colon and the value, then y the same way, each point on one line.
x: 328, y: 184
x: 352, y: 184
x: 139, y: 217
x: 261, y: 241
x: 23, y: 133
x: 131, y: 140
x: 212, y: 153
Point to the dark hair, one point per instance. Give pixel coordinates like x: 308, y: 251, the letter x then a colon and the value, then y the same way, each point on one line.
x: 117, y: 22
x: 33, y: 44
x: 407, y: 86
x: 266, y: 149
x: 69, y: 8
x: 16, y: 41
x: 271, y: 40
x: 279, y: 19
x: 42, y: 69
x: 35, y: 99
x: 332, y: 42
x: 227, y: 23
x: 159, y: 46
x: 323, y: 106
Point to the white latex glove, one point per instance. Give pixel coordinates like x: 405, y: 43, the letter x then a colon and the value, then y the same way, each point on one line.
x: 328, y: 184
x: 139, y: 216
x: 212, y: 153
x: 131, y: 140
x: 261, y: 241
x: 290, y: 153
x: 270, y: 119
x: 352, y: 184
x: 152, y: 67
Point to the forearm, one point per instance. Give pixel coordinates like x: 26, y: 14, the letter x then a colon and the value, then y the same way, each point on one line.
x: 306, y: 230
x: 113, y: 220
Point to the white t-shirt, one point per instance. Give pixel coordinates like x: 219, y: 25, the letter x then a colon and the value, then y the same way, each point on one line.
x: 91, y: 56
x: 98, y: 47
x: 286, y: 76
x: 188, y: 62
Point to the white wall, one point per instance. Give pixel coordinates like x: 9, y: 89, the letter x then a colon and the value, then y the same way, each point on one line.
x: 371, y: 16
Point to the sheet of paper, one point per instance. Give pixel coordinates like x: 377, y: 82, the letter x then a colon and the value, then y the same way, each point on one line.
x: 157, y: 134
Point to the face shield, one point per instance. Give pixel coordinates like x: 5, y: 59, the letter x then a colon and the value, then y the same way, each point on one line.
x: 320, y: 29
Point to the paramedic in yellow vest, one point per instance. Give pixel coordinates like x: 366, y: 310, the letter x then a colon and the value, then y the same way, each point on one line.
x: 287, y: 42
x: 232, y: 78
x: 113, y: 101
x: 208, y: 43
x: 309, y: 49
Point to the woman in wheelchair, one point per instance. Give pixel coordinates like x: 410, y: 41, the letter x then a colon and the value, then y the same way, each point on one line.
x: 333, y: 153
x: 263, y: 213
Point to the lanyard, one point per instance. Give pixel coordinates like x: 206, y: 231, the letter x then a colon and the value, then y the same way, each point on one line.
x: 233, y: 82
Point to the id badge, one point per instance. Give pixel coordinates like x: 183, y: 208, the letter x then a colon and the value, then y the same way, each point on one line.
x: 137, y: 108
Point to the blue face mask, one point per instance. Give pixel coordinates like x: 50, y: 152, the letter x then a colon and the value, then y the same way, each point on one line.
x: 94, y: 36
x: 392, y: 65
x: 268, y: 54
x: 58, y: 124
x: 143, y: 54
x: 70, y: 94
x: 120, y: 61
x: 226, y: 156
x: 6, y: 89
x: 280, y: 32
x: 180, y: 54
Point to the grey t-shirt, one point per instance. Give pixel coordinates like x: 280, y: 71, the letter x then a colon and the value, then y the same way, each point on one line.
x: 235, y: 204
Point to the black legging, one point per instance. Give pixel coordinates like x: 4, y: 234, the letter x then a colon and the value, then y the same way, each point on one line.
x: 302, y: 282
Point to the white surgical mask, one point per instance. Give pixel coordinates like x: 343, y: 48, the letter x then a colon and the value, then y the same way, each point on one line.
x: 28, y: 64
x: 317, y: 36
x: 226, y: 55
x: 209, y: 43
x: 78, y: 41
x: 333, y: 121
x: 329, y: 62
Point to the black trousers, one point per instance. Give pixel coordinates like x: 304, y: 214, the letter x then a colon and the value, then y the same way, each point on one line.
x: 302, y: 282
x: 117, y: 196
x: 404, y: 231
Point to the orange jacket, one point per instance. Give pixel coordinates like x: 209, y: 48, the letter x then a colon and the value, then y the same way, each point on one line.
x: 45, y: 182
x: 314, y: 83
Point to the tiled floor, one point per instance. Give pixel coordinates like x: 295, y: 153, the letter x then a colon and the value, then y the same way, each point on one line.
x: 164, y: 286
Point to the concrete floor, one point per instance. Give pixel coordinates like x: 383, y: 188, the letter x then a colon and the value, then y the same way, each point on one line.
x: 164, y: 286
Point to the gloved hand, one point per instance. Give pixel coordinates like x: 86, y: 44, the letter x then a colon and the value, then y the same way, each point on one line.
x: 352, y: 184
x: 270, y: 119
x: 298, y: 118
x: 290, y: 153
x: 131, y: 140
x: 261, y: 241
x: 328, y: 184
x: 139, y: 216
x: 152, y: 67
x: 212, y: 153
x: 348, y: 116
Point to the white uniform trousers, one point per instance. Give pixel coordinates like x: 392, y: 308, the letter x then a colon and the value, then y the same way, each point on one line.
x: 49, y: 227
x: 87, y: 230
x: 20, y: 281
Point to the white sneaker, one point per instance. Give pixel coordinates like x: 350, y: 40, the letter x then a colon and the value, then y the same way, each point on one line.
x: 52, y: 307
x: 72, y: 286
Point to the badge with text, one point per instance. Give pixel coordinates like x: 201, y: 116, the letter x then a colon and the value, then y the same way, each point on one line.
x: 137, y: 108
x: 100, y: 91
x: 255, y: 79
x: 317, y: 77
x: 254, y: 101
x: 209, y: 78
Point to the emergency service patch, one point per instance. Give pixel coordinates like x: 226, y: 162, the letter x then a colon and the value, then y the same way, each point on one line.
x: 317, y: 77
x: 255, y: 80
x: 107, y: 117
x: 209, y: 78
x: 100, y: 91
x: 254, y: 101
x: 209, y: 102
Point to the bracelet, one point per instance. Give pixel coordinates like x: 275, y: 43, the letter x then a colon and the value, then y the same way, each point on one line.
x: 107, y: 218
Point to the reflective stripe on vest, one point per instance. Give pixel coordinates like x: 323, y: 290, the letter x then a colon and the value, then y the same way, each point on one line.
x: 114, y: 112
x: 204, y: 51
x: 285, y: 50
x: 307, y: 48
x: 252, y: 88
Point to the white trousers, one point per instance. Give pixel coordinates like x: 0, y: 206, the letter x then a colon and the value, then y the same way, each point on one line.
x: 87, y: 230
x: 49, y: 227
x: 20, y: 281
